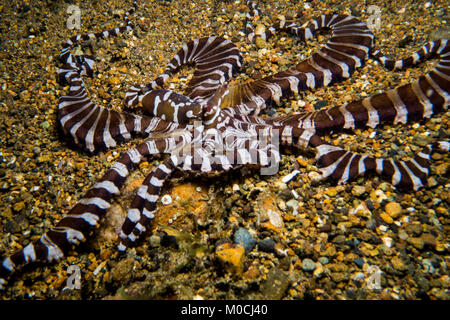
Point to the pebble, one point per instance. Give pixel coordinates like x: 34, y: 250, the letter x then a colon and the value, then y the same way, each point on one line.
x: 308, y: 265
x: 275, y: 218
x: 276, y: 284
x: 427, y: 266
x: 359, y: 262
x: 393, y: 209
x: 114, y: 81
x: 245, y: 239
x: 155, y: 240
x: 232, y: 255
x: 123, y: 270
x: 416, y: 242
x: 358, y: 190
x: 387, y: 241
x: 398, y: 264
x: 266, y: 245
x: 290, y: 176
x: 45, y: 125
x: 331, y: 192
x: 402, y: 234
x: 166, y: 199
x: 422, y: 140
x: 260, y: 43
x: 386, y: 218
x: 320, y: 104
x: 260, y: 29
x: 429, y: 239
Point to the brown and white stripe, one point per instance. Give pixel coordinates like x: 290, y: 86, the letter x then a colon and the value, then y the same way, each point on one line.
x: 234, y: 136
x: 216, y: 60
x: 347, y: 49
x: 81, y: 220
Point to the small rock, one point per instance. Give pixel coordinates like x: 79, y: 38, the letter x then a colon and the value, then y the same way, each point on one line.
x: 286, y: 194
x: 155, y: 240
x: 331, y: 192
x: 387, y: 241
x: 423, y: 283
x: 398, y: 264
x: 339, y: 239
x: 45, y: 125
x: 330, y: 251
x: 320, y: 104
x: 359, y: 277
x: 371, y: 223
x: 260, y: 29
x: 358, y: 190
x: 402, y: 234
x: 251, y: 274
x: 386, y: 218
x: 123, y: 270
x: 232, y: 255
x: 429, y: 240
x: 114, y: 80
x: 428, y: 266
x: 266, y: 245
x: 359, y: 262
x: 417, y: 243
x: 414, y: 229
x: 308, y: 265
x: 294, y: 205
x: 319, y: 271
x: 431, y: 181
x: 260, y: 43
x: 245, y: 239
x: 275, y: 285
x: 275, y: 218
x: 422, y: 140
x: 393, y: 209
x: 166, y: 199
x: 324, y: 260
x: 441, y: 169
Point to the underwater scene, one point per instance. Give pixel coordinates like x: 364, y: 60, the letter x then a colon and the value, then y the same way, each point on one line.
x: 224, y: 150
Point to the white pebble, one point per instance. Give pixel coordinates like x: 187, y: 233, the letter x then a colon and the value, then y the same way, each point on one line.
x: 290, y: 176
x: 315, y: 176
x: 388, y: 241
x: 166, y: 200
x: 275, y: 218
